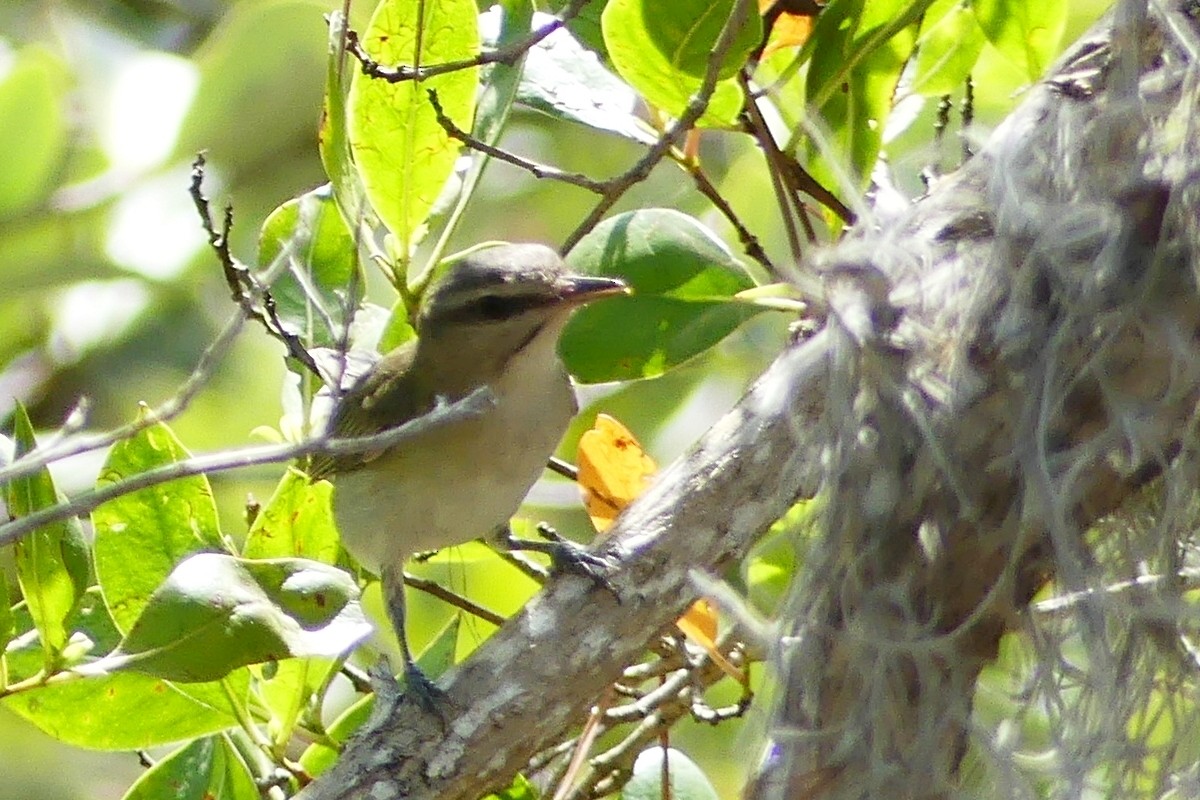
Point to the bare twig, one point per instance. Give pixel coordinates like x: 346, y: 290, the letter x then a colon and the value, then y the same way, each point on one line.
x: 453, y: 598
x: 470, y: 405
x: 671, y: 136
x: 251, y: 296
x: 503, y: 55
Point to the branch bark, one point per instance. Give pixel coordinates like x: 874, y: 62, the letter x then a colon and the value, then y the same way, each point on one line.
x: 997, y: 369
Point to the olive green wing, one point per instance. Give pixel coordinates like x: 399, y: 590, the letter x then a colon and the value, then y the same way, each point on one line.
x: 385, y: 397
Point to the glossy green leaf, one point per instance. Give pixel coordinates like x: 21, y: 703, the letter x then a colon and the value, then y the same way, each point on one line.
x: 126, y: 711
x: 33, y: 143
x: 1027, y: 34
x: 216, y: 613
x: 318, y: 291
x: 403, y: 154
x: 688, y: 781
x: 567, y: 81
x: 433, y: 661
x: 947, y: 49
x: 683, y: 281
x: 52, y: 562
x: 297, y: 521
x: 664, y: 54
x: 204, y: 769
x: 141, y: 536
x: 861, y: 48
x: 291, y: 687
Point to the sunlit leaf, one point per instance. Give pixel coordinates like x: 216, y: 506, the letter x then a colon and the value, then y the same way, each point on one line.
x: 403, y: 154
x: 126, y: 711
x: 684, y: 280
x: 141, y: 536
x: 663, y: 53
x: 296, y: 521
x: 565, y: 80
x: 1027, y: 34
x: 52, y: 563
x: 948, y: 48
x: 613, y: 470
x: 216, y: 613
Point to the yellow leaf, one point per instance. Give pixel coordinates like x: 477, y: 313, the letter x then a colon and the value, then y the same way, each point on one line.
x: 613, y: 470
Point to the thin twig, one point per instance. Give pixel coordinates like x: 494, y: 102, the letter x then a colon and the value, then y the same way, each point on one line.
x: 537, y: 170
x: 670, y: 137
x: 251, y: 296
x: 749, y: 241
x: 471, y: 405
x: 453, y: 598
x: 502, y: 55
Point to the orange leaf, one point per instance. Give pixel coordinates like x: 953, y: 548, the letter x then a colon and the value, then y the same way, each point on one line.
x: 699, y: 623
x: 613, y: 470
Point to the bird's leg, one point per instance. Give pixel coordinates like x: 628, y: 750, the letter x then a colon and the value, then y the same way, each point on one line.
x: 424, y: 690
x: 565, y: 555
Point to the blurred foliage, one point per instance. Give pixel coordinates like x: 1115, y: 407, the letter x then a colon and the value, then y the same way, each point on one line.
x: 110, y: 293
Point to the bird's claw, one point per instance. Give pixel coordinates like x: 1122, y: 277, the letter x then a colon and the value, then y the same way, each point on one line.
x: 567, y: 556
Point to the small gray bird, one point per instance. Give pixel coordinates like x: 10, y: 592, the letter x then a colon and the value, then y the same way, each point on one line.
x: 493, y: 319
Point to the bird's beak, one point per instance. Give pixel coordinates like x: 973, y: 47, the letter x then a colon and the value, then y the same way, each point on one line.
x: 575, y: 290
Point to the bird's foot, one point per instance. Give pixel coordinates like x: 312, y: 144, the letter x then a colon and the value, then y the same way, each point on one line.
x: 417, y: 685
x: 567, y: 556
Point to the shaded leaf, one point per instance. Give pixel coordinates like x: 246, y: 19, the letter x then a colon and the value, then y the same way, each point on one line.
x: 313, y: 295
x: 403, y: 154
x: 664, y: 53
x: 216, y: 613
x: 204, y: 769
x: 126, y: 711
x: 51, y: 562
x: 683, y: 279
x: 141, y: 536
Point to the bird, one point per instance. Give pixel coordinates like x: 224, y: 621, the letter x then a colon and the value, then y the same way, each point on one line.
x: 493, y: 318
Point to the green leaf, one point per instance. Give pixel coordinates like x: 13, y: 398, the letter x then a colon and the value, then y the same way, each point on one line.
x: 287, y: 688
x: 947, y: 49
x: 683, y: 281
x: 398, y: 329
x: 688, y: 781
x: 31, y: 152
x: 1027, y: 34
x: 141, y: 536
x: 519, y: 789
x: 8, y: 622
x: 313, y: 295
x: 216, y: 613
x: 403, y: 154
x: 126, y: 711
x: 52, y: 564
x: 861, y: 48
x: 567, y: 81
x: 297, y: 521
x: 664, y: 55
x: 205, y: 769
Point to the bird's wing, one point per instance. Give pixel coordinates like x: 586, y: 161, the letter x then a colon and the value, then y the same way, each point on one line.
x: 385, y: 397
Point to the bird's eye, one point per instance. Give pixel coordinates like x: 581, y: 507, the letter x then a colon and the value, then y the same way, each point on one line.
x: 492, y: 306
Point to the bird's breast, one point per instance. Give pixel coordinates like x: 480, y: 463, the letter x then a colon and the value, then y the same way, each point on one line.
x: 459, y: 481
